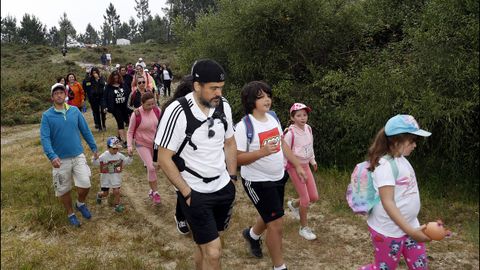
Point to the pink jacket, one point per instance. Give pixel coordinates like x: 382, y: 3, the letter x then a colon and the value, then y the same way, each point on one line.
x: 145, y: 133
x: 148, y: 79
x: 302, y: 143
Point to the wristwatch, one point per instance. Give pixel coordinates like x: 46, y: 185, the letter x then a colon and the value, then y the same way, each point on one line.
x: 233, y: 177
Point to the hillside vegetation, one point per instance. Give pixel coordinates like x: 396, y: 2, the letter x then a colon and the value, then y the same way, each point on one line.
x: 358, y: 63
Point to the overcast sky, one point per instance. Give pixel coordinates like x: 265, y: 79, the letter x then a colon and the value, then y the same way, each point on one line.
x: 79, y: 12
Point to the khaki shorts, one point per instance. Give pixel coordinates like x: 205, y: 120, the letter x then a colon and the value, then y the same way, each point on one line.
x: 75, y: 169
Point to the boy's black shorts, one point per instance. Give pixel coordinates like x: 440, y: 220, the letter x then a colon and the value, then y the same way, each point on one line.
x: 267, y: 197
x: 208, y: 213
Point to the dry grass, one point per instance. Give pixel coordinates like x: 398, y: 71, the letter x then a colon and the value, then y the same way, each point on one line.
x: 35, y: 233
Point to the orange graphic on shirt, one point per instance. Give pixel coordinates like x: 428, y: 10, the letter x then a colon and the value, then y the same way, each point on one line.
x: 270, y: 136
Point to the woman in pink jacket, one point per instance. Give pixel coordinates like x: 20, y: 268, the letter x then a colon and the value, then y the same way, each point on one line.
x: 142, y: 136
x: 300, y: 139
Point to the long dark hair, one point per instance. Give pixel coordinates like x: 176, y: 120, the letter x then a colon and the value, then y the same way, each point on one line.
x: 386, y: 145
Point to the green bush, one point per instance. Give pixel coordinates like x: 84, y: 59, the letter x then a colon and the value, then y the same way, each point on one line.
x: 357, y: 64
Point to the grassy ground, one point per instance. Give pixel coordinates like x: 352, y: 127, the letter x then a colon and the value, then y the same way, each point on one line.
x: 35, y: 233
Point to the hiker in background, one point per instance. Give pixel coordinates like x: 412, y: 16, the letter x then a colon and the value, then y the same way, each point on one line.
x: 167, y: 77
x: 64, y: 51
x: 103, y: 59
x: 262, y: 169
x: 96, y: 86
x: 61, y: 79
x: 60, y: 131
x: 115, y: 102
x: 141, y: 62
x: 141, y: 132
x: 299, y: 139
x: 201, y: 165
x: 108, y: 56
x: 135, y: 97
x: 393, y: 223
x: 127, y: 84
x: 140, y: 72
x: 157, y: 78
x: 130, y: 69
x: 76, y: 94
x: 111, y: 164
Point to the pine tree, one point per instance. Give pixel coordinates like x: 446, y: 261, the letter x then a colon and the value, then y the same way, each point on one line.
x: 66, y: 29
x: 113, y: 22
x: 32, y: 31
x: 91, y: 36
x: 9, y: 29
x: 143, y: 13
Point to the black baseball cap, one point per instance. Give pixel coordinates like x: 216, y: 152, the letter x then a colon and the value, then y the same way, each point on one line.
x: 207, y: 70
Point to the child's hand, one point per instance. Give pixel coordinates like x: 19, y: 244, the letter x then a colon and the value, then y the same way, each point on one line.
x: 301, y: 173
x: 130, y: 151
x: 419, y: 236
x: 315, y: 167
x: 269, y: 148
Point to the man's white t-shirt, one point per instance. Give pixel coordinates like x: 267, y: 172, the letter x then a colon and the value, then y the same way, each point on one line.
x: 269, y: 168
x: 209, y: 158
x: 108, y: 56
x: 407, y: 197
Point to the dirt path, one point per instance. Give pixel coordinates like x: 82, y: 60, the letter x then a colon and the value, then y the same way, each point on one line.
x: 343, y: 243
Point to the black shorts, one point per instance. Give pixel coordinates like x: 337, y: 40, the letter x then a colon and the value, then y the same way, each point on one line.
x: 208, y: 213
x: 267, y: 197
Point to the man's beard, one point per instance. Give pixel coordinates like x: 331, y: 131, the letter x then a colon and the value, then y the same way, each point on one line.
x: 213, y: 103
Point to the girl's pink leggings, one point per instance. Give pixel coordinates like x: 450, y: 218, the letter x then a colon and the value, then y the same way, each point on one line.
x: 307, y: 191
x: 146, y: 154
x: 389, y: 249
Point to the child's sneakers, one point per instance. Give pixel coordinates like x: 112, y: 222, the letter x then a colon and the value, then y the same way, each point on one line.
x: 307, y: 233
x: 295, y: 211
x: 150, y: 194
x: 156, y: 198
x: 84, y: 210
x: 119, y: 208
x: 74, y: 220
x: 99, y: 198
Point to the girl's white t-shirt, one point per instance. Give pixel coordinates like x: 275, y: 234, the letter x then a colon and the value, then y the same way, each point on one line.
x: 269, y: 168
x: 407, y: 197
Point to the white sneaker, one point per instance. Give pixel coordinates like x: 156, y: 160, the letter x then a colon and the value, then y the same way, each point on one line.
x: 307, y: 233
x: 295, y: 211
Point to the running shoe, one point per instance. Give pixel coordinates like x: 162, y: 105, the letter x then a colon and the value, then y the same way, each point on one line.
x: 295, y: 211
x: 74, y: 220
x: 98, y: 199
x: 182, y: 226
x: 156, y: 198
x: 150, y: 194
x: 254, y: 245
x: 307, y: 233
x: 84, y: 210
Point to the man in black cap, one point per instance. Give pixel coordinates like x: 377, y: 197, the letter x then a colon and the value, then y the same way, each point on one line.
x: 197, y: 152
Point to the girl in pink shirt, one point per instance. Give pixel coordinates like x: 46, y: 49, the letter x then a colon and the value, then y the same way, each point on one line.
x: 143, y: 136
x: 300, y: 139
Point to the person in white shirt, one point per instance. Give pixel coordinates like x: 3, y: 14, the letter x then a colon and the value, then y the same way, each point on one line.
x: 393, y: 223
x: 262, y: 170
x: 201, y: 165
x: 111, y: 164
x: 167, y: 78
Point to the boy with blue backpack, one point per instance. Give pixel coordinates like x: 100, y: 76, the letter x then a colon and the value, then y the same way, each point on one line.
x: 260, y: 153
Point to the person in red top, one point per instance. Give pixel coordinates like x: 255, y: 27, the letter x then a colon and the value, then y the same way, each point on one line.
x: 76, y: 90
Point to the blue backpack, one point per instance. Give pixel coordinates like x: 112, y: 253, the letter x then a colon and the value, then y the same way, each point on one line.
x: 361, y: 195
x: 249, y: 127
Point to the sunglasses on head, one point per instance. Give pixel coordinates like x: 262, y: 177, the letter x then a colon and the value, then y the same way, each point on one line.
x: 211, y: 132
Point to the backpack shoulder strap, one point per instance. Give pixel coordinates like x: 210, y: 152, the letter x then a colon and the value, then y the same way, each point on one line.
x: 156, y: 110
x: 192, y: 124
x: 272, y: 113
x: 138, y: 120
x: 393, y: 166
x: 248, y: 130
x: 219, y: 113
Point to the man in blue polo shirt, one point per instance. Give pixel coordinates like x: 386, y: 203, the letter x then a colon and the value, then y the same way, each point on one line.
x: 60, y: 131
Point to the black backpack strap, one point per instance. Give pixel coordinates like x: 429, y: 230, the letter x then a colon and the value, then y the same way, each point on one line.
x: 192, y: 124
x: 219, y: 113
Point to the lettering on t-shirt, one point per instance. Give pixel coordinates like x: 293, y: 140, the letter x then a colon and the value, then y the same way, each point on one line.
x: 119, y: 96
x: 409, y: 182
x: 269, y: 136
x: 112, y: 166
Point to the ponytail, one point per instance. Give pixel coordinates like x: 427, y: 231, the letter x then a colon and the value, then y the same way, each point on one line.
x: 383, y: 145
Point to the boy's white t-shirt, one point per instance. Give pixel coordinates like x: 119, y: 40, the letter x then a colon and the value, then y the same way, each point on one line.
x: 209, y: 158
x: 269, y: 168
x: 111, y: 167
x: 407, y: 197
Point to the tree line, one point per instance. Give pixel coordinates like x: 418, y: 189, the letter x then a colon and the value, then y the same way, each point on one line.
x: 144, y: 27
x: 356, y: 63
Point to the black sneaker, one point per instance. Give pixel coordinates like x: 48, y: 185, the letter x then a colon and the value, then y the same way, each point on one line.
x: 255, y: 245
x: 182, y: 226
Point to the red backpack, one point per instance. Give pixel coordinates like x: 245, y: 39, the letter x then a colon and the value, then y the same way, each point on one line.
x: 138, y: 118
